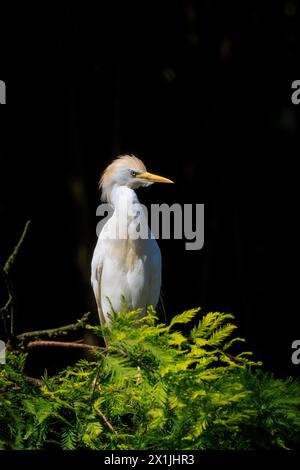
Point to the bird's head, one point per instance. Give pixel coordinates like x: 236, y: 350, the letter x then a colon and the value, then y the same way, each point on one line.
x: 130, y: 171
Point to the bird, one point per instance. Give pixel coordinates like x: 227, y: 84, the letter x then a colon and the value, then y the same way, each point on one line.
x: 125, y: 267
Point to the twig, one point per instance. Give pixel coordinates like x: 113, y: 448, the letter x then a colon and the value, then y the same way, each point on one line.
x: 108, y: 424
x: 61, y: 344
x: 53, y: 332
x: 11, y: 302
x: 17, y: 386
x: 4, y: 311
x: 234, y: 359
x: 12, y: 257
x: 33, y: 381
x: 7, y: 313
x: 95, y: 383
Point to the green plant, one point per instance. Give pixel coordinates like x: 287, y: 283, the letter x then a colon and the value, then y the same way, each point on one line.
x: 152, y: 387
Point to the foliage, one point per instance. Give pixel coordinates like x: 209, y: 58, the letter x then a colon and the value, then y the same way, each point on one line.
x: 152, y: 387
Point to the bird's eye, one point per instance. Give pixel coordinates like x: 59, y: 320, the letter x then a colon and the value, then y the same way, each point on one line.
x: 133, y: 173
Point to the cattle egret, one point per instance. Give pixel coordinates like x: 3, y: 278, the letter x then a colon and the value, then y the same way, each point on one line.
x: 125, y: 265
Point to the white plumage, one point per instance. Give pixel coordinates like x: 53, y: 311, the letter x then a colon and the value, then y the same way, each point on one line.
x: 124, y: 264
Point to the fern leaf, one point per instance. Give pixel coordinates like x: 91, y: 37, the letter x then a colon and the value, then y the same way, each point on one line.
x: 119, y: 369
x: 219, y: 335
x: 176, y: 339
x: 208, y: 323
x: 92, y: 431
x: 68, y: 440
x: 184, y: 317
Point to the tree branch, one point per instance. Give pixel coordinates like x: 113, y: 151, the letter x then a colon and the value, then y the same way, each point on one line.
x: 12, y: 257
x: 108, y: 424
x: 25, y: 339
x: 61, y: 344
x: 54, y: 332
x: 17, y: 386
x: 7, y: 311
x: 33, y: 381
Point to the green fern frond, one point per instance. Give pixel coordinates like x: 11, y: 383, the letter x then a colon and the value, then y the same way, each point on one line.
x: 176, y: 339
x: 184, y: 317
x: 156, y: 387
x: 69, y: 439
x: 91, y: 434
x: 118, y: 369
x: 220, y: 335
x: 209, y: 323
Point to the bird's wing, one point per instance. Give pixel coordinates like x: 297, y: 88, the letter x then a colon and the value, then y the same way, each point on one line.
x: 97, y: 267
x: 155, y: 273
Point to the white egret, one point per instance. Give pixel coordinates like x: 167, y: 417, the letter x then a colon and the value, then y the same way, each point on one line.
x: 125, y: 265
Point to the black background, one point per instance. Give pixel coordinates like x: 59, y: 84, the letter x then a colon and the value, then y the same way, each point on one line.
x: 201, y: 91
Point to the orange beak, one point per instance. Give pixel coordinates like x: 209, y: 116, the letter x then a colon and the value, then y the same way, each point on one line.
x: 154, y: 178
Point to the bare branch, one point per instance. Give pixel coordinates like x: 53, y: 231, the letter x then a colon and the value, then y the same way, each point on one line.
x: 61, y: 344
x: 33, y: 381
x: 17, y: 386
x: 12, y: 257
x: 108, y: 424
x: 53, y: 332
x: 7, y: 311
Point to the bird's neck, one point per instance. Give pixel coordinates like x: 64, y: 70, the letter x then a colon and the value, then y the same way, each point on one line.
x: 129, y: 220
x: 122, y: 194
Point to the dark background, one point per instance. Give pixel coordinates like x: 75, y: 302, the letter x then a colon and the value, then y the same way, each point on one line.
x: 201, y: 91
